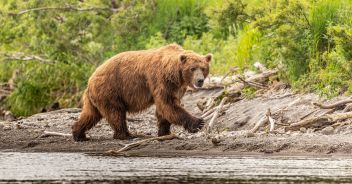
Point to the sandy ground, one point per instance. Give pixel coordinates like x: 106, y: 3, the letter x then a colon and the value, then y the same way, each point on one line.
x: 24, y: 135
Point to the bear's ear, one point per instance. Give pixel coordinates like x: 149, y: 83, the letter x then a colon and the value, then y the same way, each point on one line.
x: 183, y: 58
x: 209, y: 57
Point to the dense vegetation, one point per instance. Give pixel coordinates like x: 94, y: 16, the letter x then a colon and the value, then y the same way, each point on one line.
x: 50, y: 50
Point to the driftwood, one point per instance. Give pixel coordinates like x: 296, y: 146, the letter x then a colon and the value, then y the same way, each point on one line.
x: 49, y: 134
x: 25, y: 57
x: 308, y: 114
x: 216, y: 114
x: 210, y: 103
x: 232, y: 70
x: 261, y: 76
x: 251, y: 83
x: 211, y: 111
x: 255, y: 81
x: 138, y: 143
x: 265, y: 119
x: 327, y: 118
x: 272, y: 124
x: 348, y: 108
x: 260, y: 66
x: 334, y: 105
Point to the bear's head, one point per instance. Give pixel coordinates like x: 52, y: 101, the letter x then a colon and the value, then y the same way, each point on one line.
x: 195, y: 68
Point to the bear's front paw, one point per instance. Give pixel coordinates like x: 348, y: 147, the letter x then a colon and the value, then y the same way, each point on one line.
x: 195, y: 125
x: 79, y: 137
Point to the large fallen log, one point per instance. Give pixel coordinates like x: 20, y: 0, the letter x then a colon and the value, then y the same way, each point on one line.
x: 327, y: 118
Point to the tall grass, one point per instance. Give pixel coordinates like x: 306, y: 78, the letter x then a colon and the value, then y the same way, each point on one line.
x: 237, y: 51
x: 169, y: 11
x: 309, y: 40
x: 323, y: 14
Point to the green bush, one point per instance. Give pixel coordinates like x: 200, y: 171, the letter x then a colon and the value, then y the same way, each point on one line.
x: 309, y: 41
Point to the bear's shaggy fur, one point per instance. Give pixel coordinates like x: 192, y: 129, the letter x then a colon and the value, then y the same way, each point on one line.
x: 133, y: 81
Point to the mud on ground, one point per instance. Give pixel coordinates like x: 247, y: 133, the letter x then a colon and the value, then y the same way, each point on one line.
x: 230, y: 130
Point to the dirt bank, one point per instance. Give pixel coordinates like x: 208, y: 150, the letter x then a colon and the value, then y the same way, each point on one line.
x: 230, y: 130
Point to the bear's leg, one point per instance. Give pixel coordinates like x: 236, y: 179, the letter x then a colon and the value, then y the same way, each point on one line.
x: 117, y: 121
x: 89, y: 117
x: 163, y: 125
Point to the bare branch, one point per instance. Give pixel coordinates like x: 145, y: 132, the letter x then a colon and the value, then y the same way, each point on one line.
x: 23, y: 57
x: 66, y: 8
x: 232, y: 70
x: 48, y: 134
x: 135, y: 144
x: 265, y: 119
x: 216, y: 114
x: 334, y: 105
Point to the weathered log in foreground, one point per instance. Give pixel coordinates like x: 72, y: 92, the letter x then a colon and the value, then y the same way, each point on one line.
x: 48, y: 134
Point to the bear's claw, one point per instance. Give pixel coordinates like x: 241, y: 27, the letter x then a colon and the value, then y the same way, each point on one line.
x: 79, y: 137
x: 195, y: 126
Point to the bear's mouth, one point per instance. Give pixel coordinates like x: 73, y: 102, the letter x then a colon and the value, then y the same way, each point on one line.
x: 196, y: 87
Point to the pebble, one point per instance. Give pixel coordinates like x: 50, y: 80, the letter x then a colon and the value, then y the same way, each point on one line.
x: 296, y: 133
x: 250, y: 134
x: 303, y: 130
x: 8, y: 116
x: 328, y: 130
x: 6, y: 128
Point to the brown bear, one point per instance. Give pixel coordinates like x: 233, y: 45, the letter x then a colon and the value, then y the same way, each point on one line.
x: 133, y: 81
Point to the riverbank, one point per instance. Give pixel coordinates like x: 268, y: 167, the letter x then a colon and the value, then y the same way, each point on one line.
x: 229, y: 136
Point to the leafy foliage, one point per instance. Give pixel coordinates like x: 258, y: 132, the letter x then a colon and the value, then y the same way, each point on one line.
x: 309, y: 41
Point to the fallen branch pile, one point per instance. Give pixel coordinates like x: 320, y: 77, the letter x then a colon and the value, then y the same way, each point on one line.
x: 317, y: 119
x: 213, y: 107
x: 326, y: 118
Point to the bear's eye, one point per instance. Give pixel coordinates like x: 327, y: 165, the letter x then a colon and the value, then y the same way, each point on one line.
x: 193, y: 69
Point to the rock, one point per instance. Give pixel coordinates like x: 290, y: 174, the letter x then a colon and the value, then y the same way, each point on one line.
x: 8, y: 116
x: 295, y: 133
x: 19, y: 126
x: 6, y: 128
x: 303, y: 130
x: 250, y: 134
x: 215, y: 141
x: 328, y: 130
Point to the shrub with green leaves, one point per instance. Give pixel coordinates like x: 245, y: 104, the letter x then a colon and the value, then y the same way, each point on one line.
x: 309, y: 41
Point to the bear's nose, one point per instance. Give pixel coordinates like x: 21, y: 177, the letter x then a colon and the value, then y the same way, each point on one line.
x: 200, y: 82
